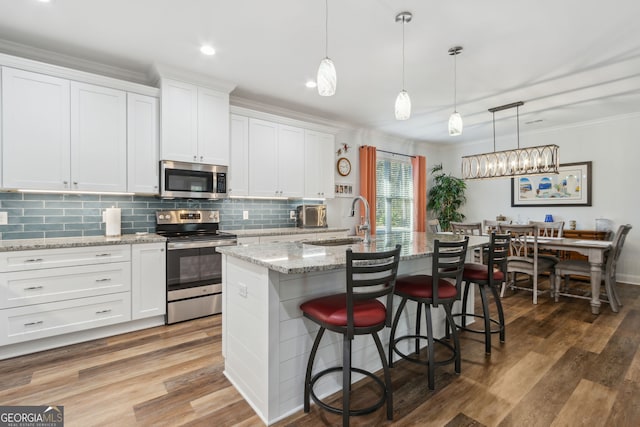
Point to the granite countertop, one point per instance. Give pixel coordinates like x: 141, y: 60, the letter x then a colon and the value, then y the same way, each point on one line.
x: 71, y: 242
x: 296, y: 258
x: 282, y: 231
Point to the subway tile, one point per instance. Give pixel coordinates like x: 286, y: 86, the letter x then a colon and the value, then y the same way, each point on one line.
x: 80, y: 226
x: 96, y: 205
x: 43, y: 212
x: 46, y: 227
x: 82, y: 197
x: 65, y: 204
x: 114, y: 198
x: 43, y: 196
x: 83, y: 212
x: 93, y: 233
x: 10, y: 228
x: 51, y: 234
x: 23, y: 235
x: 61, y: 219
x: 26, y: 220
x: 10, y: 196
x: 32, y: 204
x: 13, y: 211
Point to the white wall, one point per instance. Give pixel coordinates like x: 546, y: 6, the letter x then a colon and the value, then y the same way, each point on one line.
x: 338, y: 209
x: 613, y: 145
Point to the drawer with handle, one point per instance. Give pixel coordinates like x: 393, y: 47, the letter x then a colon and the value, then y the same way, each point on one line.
x: 48, y: 285
x: 63, y: 257
x: 45, y: 320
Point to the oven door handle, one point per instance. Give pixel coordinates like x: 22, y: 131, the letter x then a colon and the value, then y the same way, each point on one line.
x: 175, y: 246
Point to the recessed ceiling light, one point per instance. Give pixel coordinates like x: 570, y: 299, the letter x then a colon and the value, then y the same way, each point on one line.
x: 44, y: 1
x: 207, y: 50
x: 311, y: 84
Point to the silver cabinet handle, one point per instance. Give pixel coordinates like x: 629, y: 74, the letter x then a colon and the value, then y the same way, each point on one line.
x: 39, y: 322
x: 107, y: 279
x: 201, y: 158
x: 195, y: 157
x: 33, y: 288
x: 34, y: 260
x: 103, y: 311
x: 102, y: 255
x: 75, y: 182
x: 65, y: 182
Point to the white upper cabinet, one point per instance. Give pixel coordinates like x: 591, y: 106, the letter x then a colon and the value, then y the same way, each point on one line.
x: 318, y: 171
x: 239, y: 156
x: 276, y: 159
x: 142, y: 144
x: 290, y: 161
x: 263, y: 158
x: 35, y: 131
x: 98, y: 138
x: 195, y: 123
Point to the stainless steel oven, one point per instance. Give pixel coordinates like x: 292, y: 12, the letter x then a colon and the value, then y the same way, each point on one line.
x: 194, y: 270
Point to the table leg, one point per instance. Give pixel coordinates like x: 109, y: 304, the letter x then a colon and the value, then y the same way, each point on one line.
x: 596, y: 279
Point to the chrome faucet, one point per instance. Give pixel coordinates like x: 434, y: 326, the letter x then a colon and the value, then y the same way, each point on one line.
x: 363, y: 227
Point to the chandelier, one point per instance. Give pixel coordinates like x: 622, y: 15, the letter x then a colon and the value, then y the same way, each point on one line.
x: 538, y: 160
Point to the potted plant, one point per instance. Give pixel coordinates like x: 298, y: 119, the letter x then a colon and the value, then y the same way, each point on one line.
x: 446, y: 196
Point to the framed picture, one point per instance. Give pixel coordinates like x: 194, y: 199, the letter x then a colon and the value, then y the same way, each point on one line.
x: 570, y: 187
x: 344, y: 190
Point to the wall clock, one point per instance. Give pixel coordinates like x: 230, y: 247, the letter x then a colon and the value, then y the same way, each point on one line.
x: 344, y: 166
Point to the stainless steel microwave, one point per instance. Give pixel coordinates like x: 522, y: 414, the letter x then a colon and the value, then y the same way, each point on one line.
x: 192, y: 180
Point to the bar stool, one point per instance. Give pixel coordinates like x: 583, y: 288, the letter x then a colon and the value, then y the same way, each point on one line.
x: 432, y: 290
x: 491, y: 276
x: 356, y: 312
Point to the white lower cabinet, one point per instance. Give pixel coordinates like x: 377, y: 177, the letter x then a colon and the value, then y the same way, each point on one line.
x: 45, y: 320
x: 149, y: 292
x: 49, y: 292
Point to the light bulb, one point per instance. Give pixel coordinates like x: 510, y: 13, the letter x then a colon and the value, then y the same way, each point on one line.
x: 403, y: 106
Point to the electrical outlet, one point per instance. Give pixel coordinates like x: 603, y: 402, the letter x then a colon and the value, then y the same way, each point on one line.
x: 242, y: 290
x: 292, y: 214
x: 245, y: 214
x: 4, y: 218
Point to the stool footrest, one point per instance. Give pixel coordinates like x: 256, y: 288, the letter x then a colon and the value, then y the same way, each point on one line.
x: 421, y: 361
x: 479, y: 331
x: 352, y: 412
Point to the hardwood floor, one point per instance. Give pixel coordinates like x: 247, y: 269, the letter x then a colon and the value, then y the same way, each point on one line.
x: 560, y: 366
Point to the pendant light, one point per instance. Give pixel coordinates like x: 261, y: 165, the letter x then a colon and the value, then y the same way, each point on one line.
x: 327, y: 79
x: 455, y: 120
x: 403, y: 102
x: 540, y: 160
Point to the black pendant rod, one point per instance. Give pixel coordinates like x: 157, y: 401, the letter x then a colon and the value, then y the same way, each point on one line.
x: 396, y: 154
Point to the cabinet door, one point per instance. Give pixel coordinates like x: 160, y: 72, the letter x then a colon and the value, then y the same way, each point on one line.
x: 290, y: 161
x: 179, y: 127
x: 319, y: 176
x: 213, y: 127
x: 263, y: 165
x: 148, y: 280
x: 239, y: 156
x: 142, y: 144
x: 98, y: 138
x: 35, y: 131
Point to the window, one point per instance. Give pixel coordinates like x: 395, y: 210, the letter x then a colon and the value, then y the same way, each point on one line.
x: 394, y: 195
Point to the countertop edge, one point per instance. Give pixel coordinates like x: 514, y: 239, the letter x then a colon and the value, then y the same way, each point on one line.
x: 75, y: 242
x: 283, y: 231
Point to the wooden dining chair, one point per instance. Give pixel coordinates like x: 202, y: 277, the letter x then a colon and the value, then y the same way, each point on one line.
x: 489, y: 225
x: 523, y: 258
x: 582, y: 267
x: 470, y: 229
x: 433, y: 225
x: 553, y: 230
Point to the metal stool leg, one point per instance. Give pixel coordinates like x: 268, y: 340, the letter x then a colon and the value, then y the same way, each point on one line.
x: 307, y: 379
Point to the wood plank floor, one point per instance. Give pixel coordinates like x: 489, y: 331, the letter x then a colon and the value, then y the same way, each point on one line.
x: 560, y: 366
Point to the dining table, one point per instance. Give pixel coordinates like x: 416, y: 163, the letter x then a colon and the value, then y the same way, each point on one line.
x: 594, y: 250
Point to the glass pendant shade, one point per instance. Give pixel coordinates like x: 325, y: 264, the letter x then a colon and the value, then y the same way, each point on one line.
x: 403, y: 106
x: 455, y: 124
x: 327, y: 78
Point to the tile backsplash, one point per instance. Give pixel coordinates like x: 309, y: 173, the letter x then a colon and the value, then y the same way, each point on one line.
x: 34, y: 215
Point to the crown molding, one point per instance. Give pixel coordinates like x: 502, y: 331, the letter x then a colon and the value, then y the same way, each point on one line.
x: 160, y: 71
x: 261, y: 110
x: 60, y: 59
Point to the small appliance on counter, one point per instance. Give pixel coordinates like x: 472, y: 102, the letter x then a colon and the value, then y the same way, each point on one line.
x: 311, y: 216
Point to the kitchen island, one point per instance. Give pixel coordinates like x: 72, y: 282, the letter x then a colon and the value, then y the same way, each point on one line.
x: 266, y: 340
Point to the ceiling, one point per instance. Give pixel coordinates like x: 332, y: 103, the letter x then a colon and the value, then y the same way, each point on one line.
x: 569, y: 61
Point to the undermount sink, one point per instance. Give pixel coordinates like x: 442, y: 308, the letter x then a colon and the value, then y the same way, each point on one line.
x: 336, y: 242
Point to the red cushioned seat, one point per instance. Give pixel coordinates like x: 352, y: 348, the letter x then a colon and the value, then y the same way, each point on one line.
x: 332, y: 310
x: 420, y: 286
x: 474, y: 272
